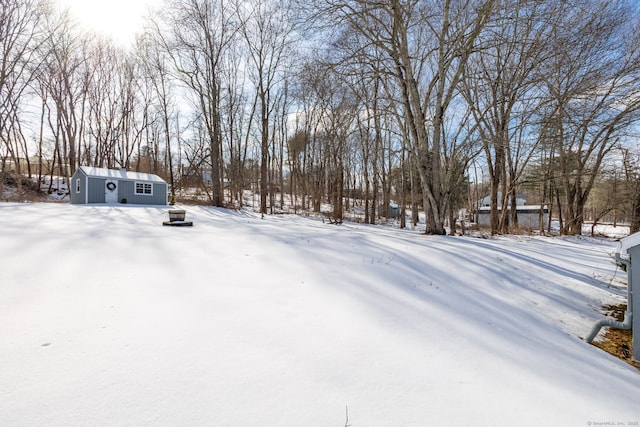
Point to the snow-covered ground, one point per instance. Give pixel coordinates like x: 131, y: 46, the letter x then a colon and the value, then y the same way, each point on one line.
x: 109, y: 318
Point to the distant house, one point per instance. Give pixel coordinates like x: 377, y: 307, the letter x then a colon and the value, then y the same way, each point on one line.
x: 529, y: 216
x: 100, y: 185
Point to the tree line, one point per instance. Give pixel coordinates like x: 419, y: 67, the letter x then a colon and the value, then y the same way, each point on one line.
x: 431, y: 104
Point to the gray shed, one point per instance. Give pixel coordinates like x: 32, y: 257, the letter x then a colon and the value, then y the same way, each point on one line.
x: 100, y: 185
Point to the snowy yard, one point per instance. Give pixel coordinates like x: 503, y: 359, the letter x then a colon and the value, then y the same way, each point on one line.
x: 108, y: 318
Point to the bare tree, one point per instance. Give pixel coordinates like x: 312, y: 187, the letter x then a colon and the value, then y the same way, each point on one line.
x: 427, y: 45
x: 592, y: 96
x: 195, y: 35
x: 268, y: 29
x: 631, y: 174
x: 115, y: 124
x: 66, y: 78
x: 156, y: 71
x: 237, y: 119
x: 499, y: 87
x: 22, y: 34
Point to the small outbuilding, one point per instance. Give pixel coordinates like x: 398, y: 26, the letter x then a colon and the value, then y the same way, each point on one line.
x: 528, y: 216
x: 393, y: 212
x: 101, y: 185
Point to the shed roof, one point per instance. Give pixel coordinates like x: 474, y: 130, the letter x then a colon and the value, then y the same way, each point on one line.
x: 120, y: 174
x: 629, y: 242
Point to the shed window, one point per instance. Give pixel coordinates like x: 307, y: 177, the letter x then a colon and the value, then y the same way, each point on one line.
x: 144, y: 188
x: 78, y: 185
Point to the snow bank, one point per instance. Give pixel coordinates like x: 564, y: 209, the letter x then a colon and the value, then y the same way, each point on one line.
x: 108, y: 318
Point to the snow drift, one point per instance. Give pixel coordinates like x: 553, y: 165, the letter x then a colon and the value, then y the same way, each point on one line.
x: 108, y: 318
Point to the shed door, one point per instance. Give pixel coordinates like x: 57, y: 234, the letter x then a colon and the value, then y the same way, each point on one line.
x: 111, y: 191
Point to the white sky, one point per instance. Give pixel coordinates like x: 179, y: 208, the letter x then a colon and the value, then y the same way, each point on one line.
x: 119, y: 19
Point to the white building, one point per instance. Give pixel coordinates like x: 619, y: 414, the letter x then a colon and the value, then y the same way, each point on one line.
x: 528, y: 215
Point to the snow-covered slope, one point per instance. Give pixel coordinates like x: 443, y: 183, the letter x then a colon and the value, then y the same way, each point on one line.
x: 109, y: 318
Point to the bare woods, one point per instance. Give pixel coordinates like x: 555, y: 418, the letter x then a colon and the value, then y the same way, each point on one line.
x: 428, y: 104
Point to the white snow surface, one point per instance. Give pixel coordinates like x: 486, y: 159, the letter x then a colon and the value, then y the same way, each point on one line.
x: 109, y: 318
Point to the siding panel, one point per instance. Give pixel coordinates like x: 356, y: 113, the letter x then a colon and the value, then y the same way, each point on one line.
x: 96, y: 190
x: 127, y: 190
x: 78, y: 198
